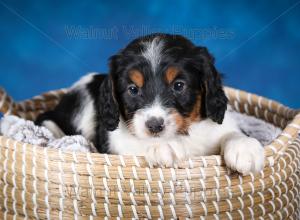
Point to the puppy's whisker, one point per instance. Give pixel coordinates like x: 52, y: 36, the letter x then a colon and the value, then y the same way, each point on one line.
x: 129, y: 121
x: 129, y: 125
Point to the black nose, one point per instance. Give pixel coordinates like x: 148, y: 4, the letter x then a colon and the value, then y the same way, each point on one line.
x: 155, y: 125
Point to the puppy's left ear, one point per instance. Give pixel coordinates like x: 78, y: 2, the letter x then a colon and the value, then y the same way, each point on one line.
x: 215, y: 99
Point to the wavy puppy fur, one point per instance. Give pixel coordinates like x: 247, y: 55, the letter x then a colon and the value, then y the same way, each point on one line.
x: 163, y: 99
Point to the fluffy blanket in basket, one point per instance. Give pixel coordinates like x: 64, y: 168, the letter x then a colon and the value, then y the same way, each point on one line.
x: 27, y: 132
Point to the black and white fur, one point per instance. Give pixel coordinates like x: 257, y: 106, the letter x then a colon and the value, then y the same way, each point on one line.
x: 167, y: 120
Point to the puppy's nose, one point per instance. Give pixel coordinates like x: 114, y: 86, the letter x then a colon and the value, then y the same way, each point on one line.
x: 155, y: 125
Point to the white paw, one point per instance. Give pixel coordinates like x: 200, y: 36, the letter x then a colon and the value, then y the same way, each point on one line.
x: 160, y: 155
x: 244, y: 154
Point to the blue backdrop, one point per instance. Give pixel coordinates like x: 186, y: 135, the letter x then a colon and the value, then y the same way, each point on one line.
x: 49, y: 44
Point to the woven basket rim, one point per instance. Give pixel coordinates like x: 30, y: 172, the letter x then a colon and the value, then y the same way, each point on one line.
x: 237, y: 98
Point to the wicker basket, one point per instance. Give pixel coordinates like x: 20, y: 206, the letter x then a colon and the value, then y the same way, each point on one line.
x: 42, y: 183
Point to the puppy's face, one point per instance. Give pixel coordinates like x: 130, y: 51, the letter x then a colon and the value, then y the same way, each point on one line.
x: 163, y: 84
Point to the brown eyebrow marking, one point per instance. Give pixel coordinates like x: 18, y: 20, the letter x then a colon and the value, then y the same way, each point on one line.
x: 137, y: 78
x: 171, y: 74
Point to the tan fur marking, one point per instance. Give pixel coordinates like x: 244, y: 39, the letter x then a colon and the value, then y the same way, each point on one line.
x: 171, y: 74
x: 195, y: 114
x: 137, y: 78
x: 183, y: 123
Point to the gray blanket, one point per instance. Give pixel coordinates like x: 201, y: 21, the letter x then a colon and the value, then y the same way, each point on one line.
x: 25, y: 131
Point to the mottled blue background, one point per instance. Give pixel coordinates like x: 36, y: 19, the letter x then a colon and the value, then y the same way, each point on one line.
x: 49, y: 44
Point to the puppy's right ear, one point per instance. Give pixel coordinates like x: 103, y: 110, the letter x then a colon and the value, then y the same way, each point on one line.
x: 109, y: 109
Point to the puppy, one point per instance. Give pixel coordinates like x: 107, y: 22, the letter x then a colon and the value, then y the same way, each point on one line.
x: 163, y: 99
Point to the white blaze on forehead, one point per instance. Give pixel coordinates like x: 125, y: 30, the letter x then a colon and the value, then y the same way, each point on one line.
x: 153, y: 51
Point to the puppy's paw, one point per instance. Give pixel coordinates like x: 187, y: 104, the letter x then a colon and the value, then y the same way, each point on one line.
x: 161, y: 155
x: 244, y: 154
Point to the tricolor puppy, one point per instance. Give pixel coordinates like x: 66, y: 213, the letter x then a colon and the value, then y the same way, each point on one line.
x: 163, y: 99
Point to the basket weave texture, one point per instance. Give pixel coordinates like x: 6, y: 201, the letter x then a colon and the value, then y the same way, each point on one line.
x: 43, y: 183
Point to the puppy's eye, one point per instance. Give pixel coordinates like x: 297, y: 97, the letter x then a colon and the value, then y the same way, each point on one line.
x: 133, y: 90
x: 178, y: 86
